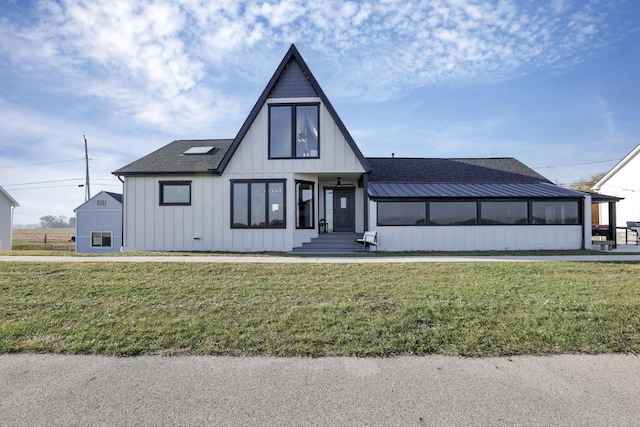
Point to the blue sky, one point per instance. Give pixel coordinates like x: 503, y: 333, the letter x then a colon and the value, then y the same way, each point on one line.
x: 553, y: 83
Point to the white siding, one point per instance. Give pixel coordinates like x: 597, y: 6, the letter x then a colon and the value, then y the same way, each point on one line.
x: 6, y: 223
x: 625, y: 182
x: 478, y: 237
x: 206, y: 224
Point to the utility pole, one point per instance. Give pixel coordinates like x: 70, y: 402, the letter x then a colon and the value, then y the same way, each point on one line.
x: 87, y: 191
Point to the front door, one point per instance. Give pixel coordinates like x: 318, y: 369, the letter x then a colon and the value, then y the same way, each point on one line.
x: 344, y: 210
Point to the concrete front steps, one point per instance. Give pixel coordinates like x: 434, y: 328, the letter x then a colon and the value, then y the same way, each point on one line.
x: 330, y: 243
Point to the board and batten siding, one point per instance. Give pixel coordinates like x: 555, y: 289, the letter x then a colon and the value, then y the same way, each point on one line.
x: 206, y: 224
x: 252, y: 155
x: 482, y: 237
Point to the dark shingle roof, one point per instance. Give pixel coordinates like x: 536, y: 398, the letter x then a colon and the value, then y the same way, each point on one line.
x: 116, y: 196
x: 171, y: 159
x: 450, y: 171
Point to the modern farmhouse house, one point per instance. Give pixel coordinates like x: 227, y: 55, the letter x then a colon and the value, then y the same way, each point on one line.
x: 294, y: 173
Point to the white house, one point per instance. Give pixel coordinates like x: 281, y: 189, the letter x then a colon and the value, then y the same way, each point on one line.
x: 7, y: 204
x: 99, y: 224
x: 293, y: 167
x: 623, y: 181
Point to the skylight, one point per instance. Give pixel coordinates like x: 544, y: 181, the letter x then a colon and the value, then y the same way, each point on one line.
x: 200, y: 150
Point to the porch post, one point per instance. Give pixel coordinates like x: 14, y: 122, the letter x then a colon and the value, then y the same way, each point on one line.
x: 365, y: 198
x: 612, y: 223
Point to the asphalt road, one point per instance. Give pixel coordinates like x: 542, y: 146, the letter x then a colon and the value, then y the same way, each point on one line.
x: 565, y: 390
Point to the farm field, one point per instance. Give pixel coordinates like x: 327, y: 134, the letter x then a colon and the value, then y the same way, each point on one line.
x: 43, y: 239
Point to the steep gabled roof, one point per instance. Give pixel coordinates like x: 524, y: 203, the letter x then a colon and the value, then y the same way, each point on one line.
x: 617, y: 167
x: 12, y: 201
x: 292, y: 59
x: 116, y: 196
x: 172, y: 160
x: 450, y: 171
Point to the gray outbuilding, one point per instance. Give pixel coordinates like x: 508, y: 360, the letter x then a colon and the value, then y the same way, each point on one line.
x: 99, y: 224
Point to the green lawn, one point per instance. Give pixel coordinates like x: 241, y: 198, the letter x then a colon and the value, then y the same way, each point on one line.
x: 475, y: 309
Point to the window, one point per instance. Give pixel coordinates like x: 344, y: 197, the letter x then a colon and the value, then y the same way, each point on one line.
x: 479, y: 212
x: 258, y: 204
x: 175, y: 193
x: 503, y: 213
x: 293, y: 131
x: 101, y: 239
x: 452, y: 213
x: 402, y: 213
x: 555, y: 212
x: 305, y: 204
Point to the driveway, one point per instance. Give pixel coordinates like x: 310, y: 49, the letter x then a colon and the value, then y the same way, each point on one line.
x: 565, y: 390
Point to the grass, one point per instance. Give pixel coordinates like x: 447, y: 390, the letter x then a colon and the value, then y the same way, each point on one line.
x: 474, y: 309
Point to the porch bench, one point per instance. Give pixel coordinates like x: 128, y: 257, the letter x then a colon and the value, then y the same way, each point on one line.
x: 368, y: 238
x: 609, y: 244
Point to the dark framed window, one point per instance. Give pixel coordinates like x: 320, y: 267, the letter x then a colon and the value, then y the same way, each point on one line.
x: 258, y: 204
x: 504, y: 212
x: 453, y: 213
x: 305, y: 204
x: 175, y: 193
x: 402, y: 213
x: 100, y: 239
x: 294, y: 131
x: 565, y: 212
x: 479, y: 212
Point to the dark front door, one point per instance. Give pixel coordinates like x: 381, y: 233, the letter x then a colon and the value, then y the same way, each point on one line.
x: 344, y: 210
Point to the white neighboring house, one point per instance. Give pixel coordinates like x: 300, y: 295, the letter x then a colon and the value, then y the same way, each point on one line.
x: 7, y: 204
x: 99, y: 224
x: 623, y: 181
x: 293, y: 170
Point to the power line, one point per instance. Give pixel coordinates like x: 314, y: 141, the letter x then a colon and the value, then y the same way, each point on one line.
x: 576, y: 164
x: 39, y: 164
x: 60, y: 186
x: 43, y: 182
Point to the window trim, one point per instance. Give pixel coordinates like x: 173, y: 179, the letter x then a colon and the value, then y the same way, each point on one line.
x: 313, y: 204
x: 293, y: 106
x: 102, y: 233
x: 161, y: 186
x: 267, y: 225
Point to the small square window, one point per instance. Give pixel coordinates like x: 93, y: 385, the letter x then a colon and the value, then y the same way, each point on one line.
x: 101, y: 239
x: 175, y: 193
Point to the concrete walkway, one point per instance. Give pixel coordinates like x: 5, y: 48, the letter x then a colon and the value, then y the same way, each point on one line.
x: 617, y: 257
x: 566, y: 390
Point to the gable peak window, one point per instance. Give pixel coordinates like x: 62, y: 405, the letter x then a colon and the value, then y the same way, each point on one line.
x: 294, y: 131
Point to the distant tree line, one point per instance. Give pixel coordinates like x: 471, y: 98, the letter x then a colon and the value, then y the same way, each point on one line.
x: 52, y: 221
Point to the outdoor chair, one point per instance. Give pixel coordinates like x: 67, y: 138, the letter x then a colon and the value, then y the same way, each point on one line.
x: 635, y: 226
x: 368, y: 238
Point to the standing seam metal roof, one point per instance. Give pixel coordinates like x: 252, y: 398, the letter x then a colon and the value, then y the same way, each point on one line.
x: 419, y: 190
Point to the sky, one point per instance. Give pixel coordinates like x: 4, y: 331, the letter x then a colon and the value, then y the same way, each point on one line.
x: 553, y: 83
